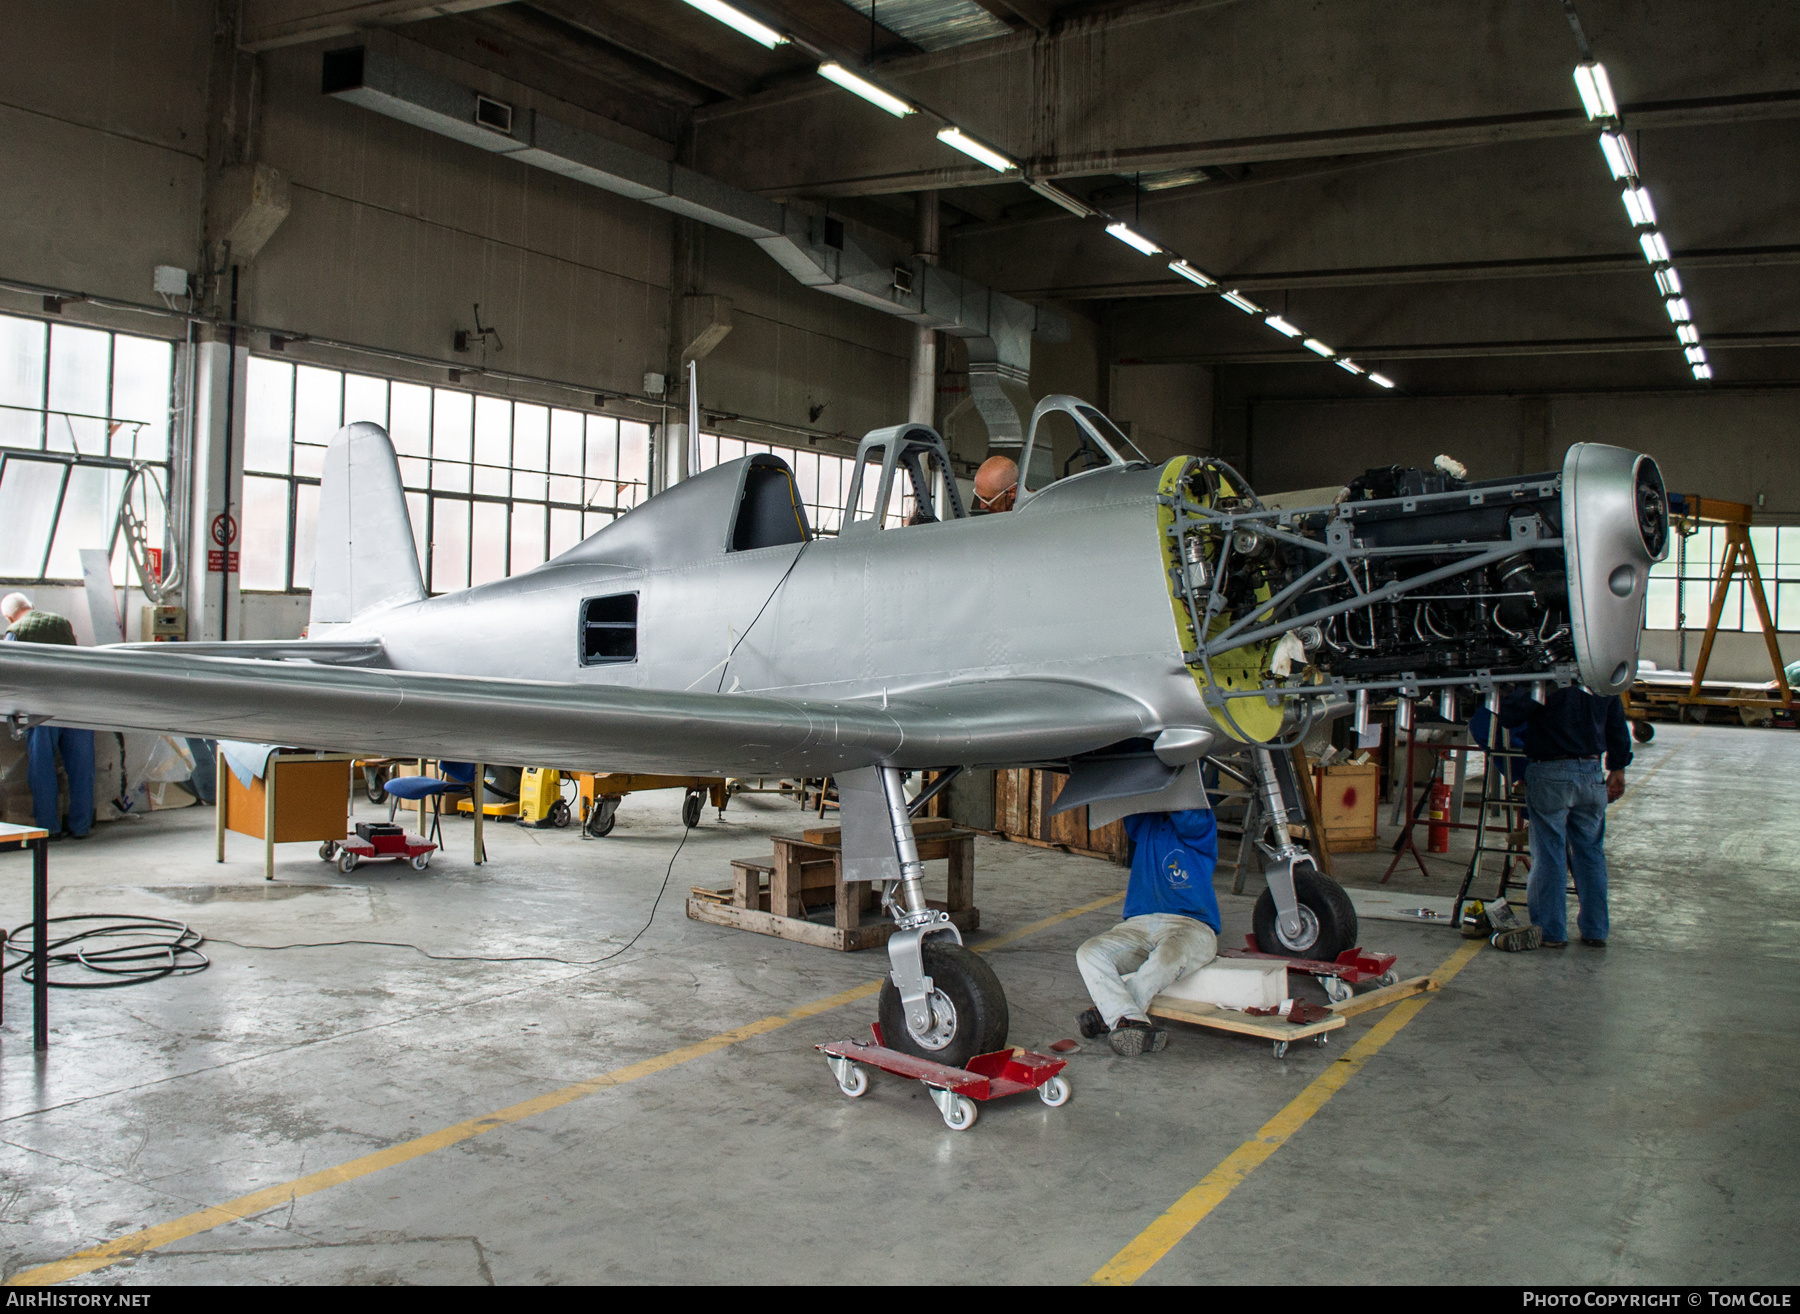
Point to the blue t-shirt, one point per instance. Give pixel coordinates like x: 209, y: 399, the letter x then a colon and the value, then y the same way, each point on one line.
x: 1172, y: 868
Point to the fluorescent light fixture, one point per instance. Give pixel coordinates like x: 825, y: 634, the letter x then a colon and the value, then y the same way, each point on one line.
x: 1656, y: 251
x: 1703, y: 371
x: 1687, y: 333
x: 1381, y: 380
x: 1596, y: 91
x: 1243, y: 303
x: 835, y: 72
x: 1136, y: 241
x: 1678, y: 310
x: 1669, y: 281
x: 955, y: 140
x: 1282, y: 327
x: 1060, y: 197
x: 740, y: 21
x: 1696, y: 355
x: 1349, y: 366
x: 1637, y: 205
x: 1618, y: 156
x: 1313, y: 344
x: 1192, y: 275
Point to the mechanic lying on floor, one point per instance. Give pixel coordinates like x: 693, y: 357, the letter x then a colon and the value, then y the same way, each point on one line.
x: 1171, y: 928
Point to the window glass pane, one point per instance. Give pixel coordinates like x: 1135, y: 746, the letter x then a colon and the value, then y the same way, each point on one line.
x: 366, y: 399
x: 22, y: 344
x: 1787, y: 548
x: 143, y: 370
x: 730, y: 449
x: 488, y: 555
x: 452, y: 426
x: 634, y: 462
x: 27, y: 505
x: 79, y: 364
x: 806, y: 474
x: 309, y: 461
x: 268, y: 416
x: 531, y: 437
x: 565, y: 530
x: 566, y: 442
x: 1762, y: 543
x: 602, y: 454
x: 595, y: 521
x: 409, y: 418
x: 527, y: 537
x: 415, y: 472
x: 264, y: 562
x: 306, y: 533
x: 449, y: 544
x: 493, y: 445
x: 318, y: 405
x: 1732, y: 618
x: 1787, y: 606
x: 1659, y: 605
x: 89, y: 506
x: 530, y: 484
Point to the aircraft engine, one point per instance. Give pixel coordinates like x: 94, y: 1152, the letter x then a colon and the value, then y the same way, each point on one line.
x: 1414, y: 580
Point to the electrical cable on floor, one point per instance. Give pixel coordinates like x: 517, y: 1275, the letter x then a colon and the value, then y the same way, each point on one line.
x: 149, y: 949
x: 491, y: 958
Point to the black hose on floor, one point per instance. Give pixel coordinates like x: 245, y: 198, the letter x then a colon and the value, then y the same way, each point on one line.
x: 118, y: 949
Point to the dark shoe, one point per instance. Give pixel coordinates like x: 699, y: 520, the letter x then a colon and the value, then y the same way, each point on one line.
x: 1593, y: 944
x: 69, y: 834
x: 1517, y: 939
x: 1132, y: 1037
x: 1554, y: 944
x: 1091, y: 1024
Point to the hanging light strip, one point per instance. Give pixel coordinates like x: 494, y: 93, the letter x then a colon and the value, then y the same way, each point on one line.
x: 1595, y: 90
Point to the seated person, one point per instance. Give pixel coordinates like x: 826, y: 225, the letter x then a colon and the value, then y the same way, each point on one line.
x: 996, y: 484
x: 1170, y: 928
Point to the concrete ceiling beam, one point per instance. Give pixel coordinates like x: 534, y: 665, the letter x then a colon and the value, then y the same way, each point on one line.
x: 269, y: 24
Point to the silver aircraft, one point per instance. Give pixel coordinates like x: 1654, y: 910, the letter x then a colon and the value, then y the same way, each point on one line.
x: 1127, y: 621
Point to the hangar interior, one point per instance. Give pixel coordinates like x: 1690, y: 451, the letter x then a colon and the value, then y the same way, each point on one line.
x: 572, y: 254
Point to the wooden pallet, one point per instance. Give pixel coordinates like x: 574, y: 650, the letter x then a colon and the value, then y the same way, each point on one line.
x: 771, y: 895
x: 1280, y: 1030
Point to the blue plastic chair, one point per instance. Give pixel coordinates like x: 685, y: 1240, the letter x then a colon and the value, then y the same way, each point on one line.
x: 457, y: 778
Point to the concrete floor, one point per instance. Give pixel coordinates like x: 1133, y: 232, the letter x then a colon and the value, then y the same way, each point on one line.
x: 1574, y: 1116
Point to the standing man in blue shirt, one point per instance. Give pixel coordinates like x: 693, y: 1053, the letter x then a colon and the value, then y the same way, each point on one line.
x: 1170, y: 928
x: 1566, y: 794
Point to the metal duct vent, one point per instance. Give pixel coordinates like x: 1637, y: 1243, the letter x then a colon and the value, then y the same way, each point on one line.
x: 933, y: 24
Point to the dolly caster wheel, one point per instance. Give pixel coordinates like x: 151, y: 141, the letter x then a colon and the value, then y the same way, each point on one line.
x: 1337, y: 990
x: 690, y: 808
x: 1322, y: 1039
x: 1281, y: 1049
x: 328, y: 850
x: 346, y: 861
x: 961, y: 1113
x: 854, y: 1083
x: 421, y: 861
x: 1055, y: 1092
x: 1388, y: 978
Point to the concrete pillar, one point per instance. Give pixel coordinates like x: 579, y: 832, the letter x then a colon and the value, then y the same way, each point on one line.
x: 921, y: 407
x: 216, y: 497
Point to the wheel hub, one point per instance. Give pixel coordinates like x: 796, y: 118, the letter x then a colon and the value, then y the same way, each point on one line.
x: 943, y: 1023
x: 1309, y: 931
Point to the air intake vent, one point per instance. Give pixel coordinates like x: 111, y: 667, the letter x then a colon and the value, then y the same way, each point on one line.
x: 493, y: 114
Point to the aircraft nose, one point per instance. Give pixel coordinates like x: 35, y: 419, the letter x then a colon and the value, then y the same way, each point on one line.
x: 1615, y: 527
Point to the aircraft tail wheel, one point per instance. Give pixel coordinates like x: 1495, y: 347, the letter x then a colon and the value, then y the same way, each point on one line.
x: 1055, y: 1092
x: 1327, y: 919
x: 968, y: 1009
x: 690, y: 808
x: 601, y: 817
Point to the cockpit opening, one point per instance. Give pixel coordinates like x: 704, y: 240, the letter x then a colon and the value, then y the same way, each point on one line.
x: 770, y: 512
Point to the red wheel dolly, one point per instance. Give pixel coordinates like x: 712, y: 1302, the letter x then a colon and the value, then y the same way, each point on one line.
x: 378, y: 839
x: 1352, y: 968
x: 954, y: 1090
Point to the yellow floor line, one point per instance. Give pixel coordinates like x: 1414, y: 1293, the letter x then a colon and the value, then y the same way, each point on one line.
x: 1155, y: 1241
x: 246, y: 1206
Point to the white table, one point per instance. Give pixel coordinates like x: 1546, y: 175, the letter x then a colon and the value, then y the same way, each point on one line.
x: 38, y: 841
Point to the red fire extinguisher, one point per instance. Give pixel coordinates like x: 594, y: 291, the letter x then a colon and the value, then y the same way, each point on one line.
x: 1438, y: 811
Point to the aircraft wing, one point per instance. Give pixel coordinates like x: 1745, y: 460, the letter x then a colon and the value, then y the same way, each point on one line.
x: 521, y: 722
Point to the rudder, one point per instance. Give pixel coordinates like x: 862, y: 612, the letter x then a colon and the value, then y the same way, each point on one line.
x: 365, y: 559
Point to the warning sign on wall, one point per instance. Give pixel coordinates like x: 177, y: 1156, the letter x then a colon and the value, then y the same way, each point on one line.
x: 221, y: 563
x: 223, y: 560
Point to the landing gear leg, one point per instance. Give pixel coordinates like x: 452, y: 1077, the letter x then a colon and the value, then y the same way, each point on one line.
x: 940, y: 1001
x: 1303, y: 913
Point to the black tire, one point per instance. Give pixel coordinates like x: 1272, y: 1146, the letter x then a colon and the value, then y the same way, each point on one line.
x: 560, y: 814
x: 973, y: 991
x: 690, y: 809
x: 375, y: 784
x: 601, y: 818
x: 1332, y: 911
x: 1643, y: 731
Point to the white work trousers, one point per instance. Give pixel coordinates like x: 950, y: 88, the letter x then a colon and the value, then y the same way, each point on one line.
x: 1128, y: 966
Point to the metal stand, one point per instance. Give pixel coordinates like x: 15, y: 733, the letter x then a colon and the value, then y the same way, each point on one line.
x: 38, y: 841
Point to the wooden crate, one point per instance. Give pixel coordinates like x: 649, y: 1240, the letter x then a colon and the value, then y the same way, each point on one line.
x: 1349, y: 798
x: 1022, y: 802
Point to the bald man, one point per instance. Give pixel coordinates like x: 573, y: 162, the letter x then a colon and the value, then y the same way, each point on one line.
x: 996, y: 484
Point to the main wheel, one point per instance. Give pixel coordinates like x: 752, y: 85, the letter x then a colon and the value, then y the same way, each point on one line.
x: 690, y: 808
x: 968, y: 1009
x: 601, y: 818
x: 1327, y: 919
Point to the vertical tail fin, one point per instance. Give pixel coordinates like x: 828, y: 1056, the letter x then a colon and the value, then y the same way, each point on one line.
x: 365, y: 558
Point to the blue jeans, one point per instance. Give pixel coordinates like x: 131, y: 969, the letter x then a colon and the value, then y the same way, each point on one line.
x: 1568, y: 831
x: 77, y: 747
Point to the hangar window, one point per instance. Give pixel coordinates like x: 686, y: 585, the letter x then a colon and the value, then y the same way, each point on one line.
x: 609, y: 629
x: 495, y: 487
x: 823, y: 481
x: 80, y: 409
x: 1681, y: 588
